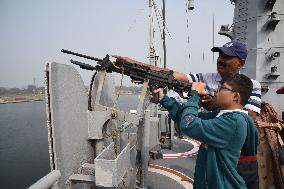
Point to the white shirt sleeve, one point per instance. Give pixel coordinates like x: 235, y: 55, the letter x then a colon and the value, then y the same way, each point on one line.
x: 193, y: 78
x: 172, y: 94
x: 254, y: 102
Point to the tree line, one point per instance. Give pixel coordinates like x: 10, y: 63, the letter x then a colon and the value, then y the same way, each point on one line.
x: 30, y: 89
x: 133, y: 89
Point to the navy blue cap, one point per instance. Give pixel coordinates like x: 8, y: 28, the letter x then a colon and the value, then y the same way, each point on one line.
x: 232, y: 48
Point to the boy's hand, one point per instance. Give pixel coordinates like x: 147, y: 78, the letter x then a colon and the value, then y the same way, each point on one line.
x: 158, y: 92
x: 199, y: 87
x: 208, y: 103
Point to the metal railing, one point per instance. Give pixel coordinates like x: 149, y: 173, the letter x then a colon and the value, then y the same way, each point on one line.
x: 47, y: 181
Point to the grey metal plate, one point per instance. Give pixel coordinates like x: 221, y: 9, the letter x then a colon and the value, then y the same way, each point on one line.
x: 109, y: 168
x: 68, y: 104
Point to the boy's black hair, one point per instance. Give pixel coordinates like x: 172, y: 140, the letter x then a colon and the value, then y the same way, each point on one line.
x: 241, y: 84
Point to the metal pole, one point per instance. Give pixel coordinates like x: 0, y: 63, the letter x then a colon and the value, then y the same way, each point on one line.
x: 164, y: 34
x: 151, y: 47
x: 213, y: 37
x: 152, y: 107
x: 145, y: 149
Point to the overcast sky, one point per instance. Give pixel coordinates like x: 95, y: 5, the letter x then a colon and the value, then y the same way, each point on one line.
x: 34, y: 31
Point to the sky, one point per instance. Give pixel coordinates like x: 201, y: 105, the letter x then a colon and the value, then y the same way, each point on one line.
x: 33, y: 32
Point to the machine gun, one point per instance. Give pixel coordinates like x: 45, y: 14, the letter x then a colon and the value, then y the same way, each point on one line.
x: 137, y: 72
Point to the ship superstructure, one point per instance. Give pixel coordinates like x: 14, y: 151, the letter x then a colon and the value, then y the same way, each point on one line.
x: 259, y: 25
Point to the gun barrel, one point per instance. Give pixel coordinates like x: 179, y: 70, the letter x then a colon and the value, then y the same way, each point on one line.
x: 83, y: 65
x: 81, y: 55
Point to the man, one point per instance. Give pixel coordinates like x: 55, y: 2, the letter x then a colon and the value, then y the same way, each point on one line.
x: 231, y: 59
x: 224, y: 135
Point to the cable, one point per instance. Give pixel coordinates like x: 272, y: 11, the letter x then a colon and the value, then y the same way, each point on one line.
x: 161, y: 18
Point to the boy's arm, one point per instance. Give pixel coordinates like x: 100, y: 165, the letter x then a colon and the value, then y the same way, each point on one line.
x: 215, y: 132
x: 173, y: 108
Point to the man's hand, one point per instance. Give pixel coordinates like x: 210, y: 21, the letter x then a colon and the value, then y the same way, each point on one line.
x: 132, y: 61
x: 126, y: 59
x: 199, y: 87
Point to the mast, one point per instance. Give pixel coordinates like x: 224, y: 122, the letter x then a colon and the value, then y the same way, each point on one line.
x: 164, y: 34
x: 151, y: 55
x: 151, y: 111
x: 213, y: 37
x: 151, y: 32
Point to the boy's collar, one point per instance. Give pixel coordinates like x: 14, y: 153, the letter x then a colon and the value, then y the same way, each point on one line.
x: 235, y: 110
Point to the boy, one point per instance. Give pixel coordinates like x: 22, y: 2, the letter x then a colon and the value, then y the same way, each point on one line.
x: 225, y: 135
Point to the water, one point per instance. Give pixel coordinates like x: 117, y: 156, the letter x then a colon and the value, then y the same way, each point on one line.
x: 23, y: 144
x: 24, y: 156
x: 128, y: 102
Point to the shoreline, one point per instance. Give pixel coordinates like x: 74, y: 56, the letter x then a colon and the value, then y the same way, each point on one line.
x: 20, y: 101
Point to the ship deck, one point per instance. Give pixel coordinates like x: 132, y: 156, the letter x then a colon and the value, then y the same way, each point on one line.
x: 176, y: 168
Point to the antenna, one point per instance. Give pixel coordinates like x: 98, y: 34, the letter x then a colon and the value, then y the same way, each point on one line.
x: 164, y: 34
x: 189, y: 7
x: 213, y: 38
x: 135, y: 19
x: 151, y: 32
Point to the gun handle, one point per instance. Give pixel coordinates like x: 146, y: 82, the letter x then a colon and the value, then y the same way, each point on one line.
x: 155, y: 96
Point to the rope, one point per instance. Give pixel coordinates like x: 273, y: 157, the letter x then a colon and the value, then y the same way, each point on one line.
x: 159, y: 24
x: 117, y: 95
x: 90, y: 92
x: 134, y: 21
x: 161, y: 18
x: 113, y: 109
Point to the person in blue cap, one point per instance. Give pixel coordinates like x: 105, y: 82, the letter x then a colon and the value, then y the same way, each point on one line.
x: 224, y: 134
x: 232, y: 57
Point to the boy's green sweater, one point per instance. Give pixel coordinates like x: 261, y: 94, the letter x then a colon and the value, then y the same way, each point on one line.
x: 223, y: 139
